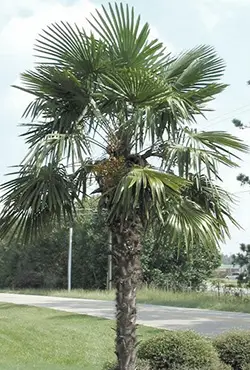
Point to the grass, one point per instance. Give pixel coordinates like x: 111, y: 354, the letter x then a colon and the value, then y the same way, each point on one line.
x: 159, y: 297
x: 45, y: 339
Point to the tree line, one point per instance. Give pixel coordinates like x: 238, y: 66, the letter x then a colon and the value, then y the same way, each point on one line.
x: 43, y: 263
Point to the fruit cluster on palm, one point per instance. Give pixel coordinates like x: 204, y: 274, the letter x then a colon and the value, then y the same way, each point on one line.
x: 105, y: 104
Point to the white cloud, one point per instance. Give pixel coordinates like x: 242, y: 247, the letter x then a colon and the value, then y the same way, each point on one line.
x: 213, y: 12
x: 209, y: 17
x: 154, y: 34
x: 18, y: 35
x: 235, y: 2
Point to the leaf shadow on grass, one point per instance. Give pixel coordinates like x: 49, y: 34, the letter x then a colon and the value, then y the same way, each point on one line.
x: 4, y: 306
x: 77, y: 317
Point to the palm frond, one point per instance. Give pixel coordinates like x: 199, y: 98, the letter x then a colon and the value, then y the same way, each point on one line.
x: 137, y: 86
x: 212, y: 199
x: 81, y: 177
x: 64, y: 107
x: 198, y: 151
x: 196, y: 68
x: 35, y: 200
x: 142, y: 191
x: 127, y: 40
x: 158, y: 196
x: 193, y: 79
x: 55, y: 147
x: 55, y: 82
x: 62, y: 44
x: 219, y: 141
x: 186, y: 221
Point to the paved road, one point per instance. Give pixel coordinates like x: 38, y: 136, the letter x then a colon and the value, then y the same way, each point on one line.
x: 203, y: 321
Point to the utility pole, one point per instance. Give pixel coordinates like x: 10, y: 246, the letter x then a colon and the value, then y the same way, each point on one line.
x: 110, y: 262
x: 70, y: 257
x: 70, y: 245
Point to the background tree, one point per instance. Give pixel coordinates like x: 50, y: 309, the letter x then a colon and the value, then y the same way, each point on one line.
x: 244, y: 179
x: 43, y: 262
x: 226, y: 259
x: 116, y: 90
x: 243, y: 260
x: 174, y: 267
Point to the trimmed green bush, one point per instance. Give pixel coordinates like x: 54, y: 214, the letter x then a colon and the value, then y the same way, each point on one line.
x: 141, y: 365
x: 216, y: 366
x: 144, y: 365
x: 179, y: 350
x: 234, y: 349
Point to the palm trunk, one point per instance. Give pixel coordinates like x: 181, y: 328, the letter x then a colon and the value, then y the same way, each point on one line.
x: 127, y: 247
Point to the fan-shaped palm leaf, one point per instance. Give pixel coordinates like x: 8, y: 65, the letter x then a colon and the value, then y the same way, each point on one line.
x: 62, y: 44
x: 196, y: 68
x: 127, y: 40
x: 35, y: 200
x: 212, y: 199
x: 156, y: 195
x: 186, y: 220
x: 140, y: 191
x: 195, y: 151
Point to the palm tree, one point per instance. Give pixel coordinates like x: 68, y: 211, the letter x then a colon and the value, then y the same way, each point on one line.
x: 106, y: 104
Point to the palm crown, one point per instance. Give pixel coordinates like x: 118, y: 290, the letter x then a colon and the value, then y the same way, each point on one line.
x: 115, y: 90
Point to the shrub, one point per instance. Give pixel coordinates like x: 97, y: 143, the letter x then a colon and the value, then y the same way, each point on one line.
x: 176, y: 349
x: 234, y: 349
x: 216, y: 366
x: 141, y: 365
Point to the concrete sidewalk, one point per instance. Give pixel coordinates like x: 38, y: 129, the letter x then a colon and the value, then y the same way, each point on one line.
x: 203, y: 321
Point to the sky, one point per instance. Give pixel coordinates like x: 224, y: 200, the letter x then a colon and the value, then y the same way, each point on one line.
x: 181, y: 25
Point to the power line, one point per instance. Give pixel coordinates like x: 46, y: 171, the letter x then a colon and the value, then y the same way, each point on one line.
x: 239, y: 109
x: 241, y: 192
x: 215, y: 120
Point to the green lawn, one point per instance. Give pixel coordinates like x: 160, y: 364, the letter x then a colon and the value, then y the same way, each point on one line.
x: 44, y: 339
x: 160, y: 297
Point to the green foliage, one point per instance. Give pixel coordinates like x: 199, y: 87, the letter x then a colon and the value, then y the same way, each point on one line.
x: 26, y: 216
x: 140, y: 365
x: 243, y: 259
x: 226, y: 259
x: 169, y: 266
x: 243, y: 179
x: 43, y: 263
x: 216, y: 366
x: 145, y: 365
x: 234, y: 348
x: 174, y: 349
x: 238, y: 123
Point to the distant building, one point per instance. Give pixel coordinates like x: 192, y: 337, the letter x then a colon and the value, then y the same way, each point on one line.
x: 228, y: 270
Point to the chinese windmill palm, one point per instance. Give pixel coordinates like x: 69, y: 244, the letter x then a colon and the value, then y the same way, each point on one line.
x: 104, y: 105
